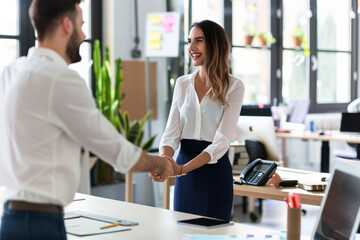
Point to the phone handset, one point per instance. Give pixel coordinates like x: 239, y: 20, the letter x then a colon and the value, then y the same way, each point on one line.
x: 258, y: 172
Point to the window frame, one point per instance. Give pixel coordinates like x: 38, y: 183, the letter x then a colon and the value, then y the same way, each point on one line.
x: 26, y: 36
x: 276, y: 51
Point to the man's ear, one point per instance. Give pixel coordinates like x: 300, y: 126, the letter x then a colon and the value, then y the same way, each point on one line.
x: 67, y: 25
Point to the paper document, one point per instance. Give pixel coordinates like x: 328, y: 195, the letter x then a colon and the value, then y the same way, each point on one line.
x: 82, y: 226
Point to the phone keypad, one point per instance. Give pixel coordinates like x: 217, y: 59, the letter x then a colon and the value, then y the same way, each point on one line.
x: 254, y: 176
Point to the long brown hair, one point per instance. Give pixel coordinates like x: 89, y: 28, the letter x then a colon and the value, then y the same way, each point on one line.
x: 217, y: 60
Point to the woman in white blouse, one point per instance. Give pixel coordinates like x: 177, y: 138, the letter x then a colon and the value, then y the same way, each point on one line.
x: 203, y: 116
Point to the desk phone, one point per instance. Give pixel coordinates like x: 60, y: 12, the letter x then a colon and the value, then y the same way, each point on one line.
x: 258, y: 172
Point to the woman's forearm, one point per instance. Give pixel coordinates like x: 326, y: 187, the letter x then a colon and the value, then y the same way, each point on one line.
x: 167, y: 151
x: 199, y: 161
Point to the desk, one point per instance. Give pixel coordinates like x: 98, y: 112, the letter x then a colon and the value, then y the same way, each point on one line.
x: 325, y: 150
x: 266, y: 192
x: 154, y: 223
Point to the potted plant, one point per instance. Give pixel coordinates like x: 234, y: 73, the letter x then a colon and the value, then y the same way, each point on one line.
x: 266, y: 38
x: 108, y: 99
x: 249, y: 35
x: 299, y: 40
x: 298, y: 37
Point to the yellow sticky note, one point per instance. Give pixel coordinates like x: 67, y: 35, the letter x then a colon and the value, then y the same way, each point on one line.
x: 154, y: 45
x: 155, y: 36
x: 155, y: 19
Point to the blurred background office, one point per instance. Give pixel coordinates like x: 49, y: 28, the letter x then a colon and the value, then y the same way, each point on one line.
x: 305, y: 50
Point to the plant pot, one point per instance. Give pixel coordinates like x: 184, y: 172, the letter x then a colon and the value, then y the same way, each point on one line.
x: 297, y: 42
x: 248, y: 40
x: 262, y: 42
x: 105, y: 174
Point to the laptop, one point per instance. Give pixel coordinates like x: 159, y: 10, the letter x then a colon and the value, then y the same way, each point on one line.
x: 339, y: 216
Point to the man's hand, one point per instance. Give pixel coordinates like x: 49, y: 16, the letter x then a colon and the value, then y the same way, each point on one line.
x: 168, y: 170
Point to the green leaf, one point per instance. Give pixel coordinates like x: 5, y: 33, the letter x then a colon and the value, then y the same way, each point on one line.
x: 126, y: 125
x: 133, y: 132
x: 118, y: 80
x: 140, y: 138
x: 147, y: 145
x: 145, y: 119
x: 142, y: 123
x: 97, y: 59
x: 121, y: 121
x: 107, y: 55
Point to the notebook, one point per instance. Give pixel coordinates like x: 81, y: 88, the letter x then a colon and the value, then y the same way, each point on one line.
x: 339, y: 216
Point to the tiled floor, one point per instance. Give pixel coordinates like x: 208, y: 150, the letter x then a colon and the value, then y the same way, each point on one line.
x: 274, y: 215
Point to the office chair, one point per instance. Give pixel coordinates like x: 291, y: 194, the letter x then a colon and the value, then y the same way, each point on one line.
x: 255, y: 149
x: 349, y: 123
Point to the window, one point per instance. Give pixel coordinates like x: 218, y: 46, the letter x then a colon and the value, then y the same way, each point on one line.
x: 17, y: 34
x: 323, y: 68
x: 251, y: 62
x: 9, y: 31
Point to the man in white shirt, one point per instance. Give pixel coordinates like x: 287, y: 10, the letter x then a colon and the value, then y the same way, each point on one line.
x: 47, y: 115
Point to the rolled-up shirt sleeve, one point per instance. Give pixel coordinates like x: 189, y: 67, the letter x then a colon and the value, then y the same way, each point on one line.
x: 227, y: 125
x: 72, y: 108
x: 171, y: 136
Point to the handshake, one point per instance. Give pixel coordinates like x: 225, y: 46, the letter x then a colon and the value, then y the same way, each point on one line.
x: 168, y: 168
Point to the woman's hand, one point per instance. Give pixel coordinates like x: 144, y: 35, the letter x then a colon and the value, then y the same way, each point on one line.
x: 176, y: 170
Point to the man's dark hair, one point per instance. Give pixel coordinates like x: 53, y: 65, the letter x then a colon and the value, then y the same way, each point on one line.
x: 45, y: 14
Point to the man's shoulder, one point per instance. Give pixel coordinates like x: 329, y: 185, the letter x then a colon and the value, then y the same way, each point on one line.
x: 45, y: 67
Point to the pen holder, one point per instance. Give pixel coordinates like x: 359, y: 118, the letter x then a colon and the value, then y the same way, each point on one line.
x: 293, y: 223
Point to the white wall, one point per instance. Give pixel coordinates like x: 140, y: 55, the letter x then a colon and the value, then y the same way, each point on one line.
x: 119, y: 34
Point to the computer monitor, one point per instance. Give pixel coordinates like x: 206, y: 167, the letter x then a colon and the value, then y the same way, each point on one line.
x: 261, y: 129
x: 339, y: 215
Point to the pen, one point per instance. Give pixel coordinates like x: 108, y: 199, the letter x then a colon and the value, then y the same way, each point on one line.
x: 287, y: 202
x: 296, y: 200
x: 292, y: 203
x: 111, y: 225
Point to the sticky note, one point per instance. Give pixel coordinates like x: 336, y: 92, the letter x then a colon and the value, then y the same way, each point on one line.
x: 154, y: 45
x: 168, y: 22
x: 167, y: 27
x: 155, y: 19
x: 155, y: 36
x: 169, y: 19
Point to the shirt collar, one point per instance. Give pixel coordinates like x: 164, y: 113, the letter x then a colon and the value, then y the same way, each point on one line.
x: 193, y: 75
x: 48, y: 53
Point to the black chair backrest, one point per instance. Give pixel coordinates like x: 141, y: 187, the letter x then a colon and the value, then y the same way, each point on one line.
x: 255, y: 149
x: 350, y: 122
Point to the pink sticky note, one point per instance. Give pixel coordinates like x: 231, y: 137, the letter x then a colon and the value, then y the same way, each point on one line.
x: 167, y: 27
x: 169, y: 19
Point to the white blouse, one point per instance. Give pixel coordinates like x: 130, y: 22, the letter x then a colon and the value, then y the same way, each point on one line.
x: 208, y: 120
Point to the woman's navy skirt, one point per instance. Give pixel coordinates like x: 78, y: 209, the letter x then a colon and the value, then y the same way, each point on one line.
x: 206, y: 191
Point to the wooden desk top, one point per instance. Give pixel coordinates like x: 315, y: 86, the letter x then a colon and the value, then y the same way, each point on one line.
x: 154, y: 223
x: 270, y: 192
x: 329, y: 136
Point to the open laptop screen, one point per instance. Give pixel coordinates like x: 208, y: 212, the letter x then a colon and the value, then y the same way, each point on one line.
x: 339, y: 213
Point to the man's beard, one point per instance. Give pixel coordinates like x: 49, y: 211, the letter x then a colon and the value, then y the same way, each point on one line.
x: 73, y: 48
